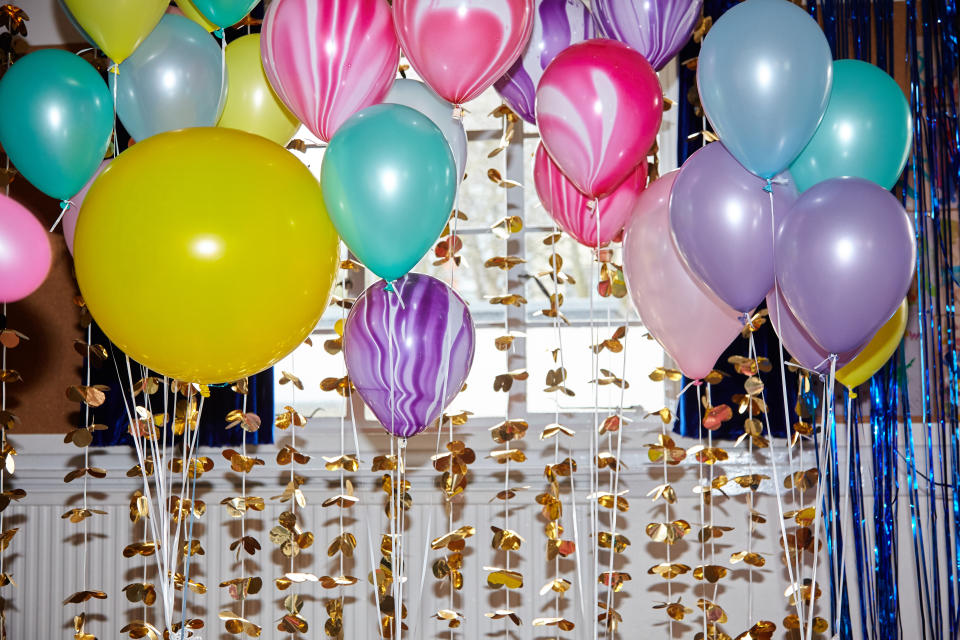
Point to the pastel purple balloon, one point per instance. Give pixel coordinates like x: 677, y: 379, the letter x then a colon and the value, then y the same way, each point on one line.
x: 557, y: 24
x: 409, y: 360
x: 796, y: 340
x: 721, y: 221
x: 845, y: 256
x: 656, y: 28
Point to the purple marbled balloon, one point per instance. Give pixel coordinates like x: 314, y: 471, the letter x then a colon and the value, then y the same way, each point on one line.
x: 656, y: 28
x: 557, y: 25
x: 408, y: 361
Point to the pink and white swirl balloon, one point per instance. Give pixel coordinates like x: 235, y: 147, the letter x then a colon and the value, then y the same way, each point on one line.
x: 461, y: 47
x: 409, y: 351
x: 328, y: 59
x: 557, y: 24
x: 599, y: 107
x: 575, y: 213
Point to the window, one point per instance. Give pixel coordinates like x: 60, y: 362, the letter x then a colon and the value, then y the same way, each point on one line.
x: 485, y: 203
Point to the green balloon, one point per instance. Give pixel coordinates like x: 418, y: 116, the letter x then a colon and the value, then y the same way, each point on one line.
x: 57, y: 118
x: 866, y: 131
x: 389, y: 180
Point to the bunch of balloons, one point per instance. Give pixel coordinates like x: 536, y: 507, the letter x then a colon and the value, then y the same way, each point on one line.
x: 791, y: 206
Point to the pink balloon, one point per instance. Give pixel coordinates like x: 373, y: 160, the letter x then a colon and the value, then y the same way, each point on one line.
x: 328, y: 59
x: 574, y: 212
x: 692, y: 324
x: 599, y: 107
x: 24, y: 251
x: 461, y: 47
x: 795, y: 338
x: 69, y: 221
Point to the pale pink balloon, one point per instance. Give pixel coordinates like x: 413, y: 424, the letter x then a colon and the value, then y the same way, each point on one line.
x: 461, y: 47
x: 599, y: 107
x: 328, y: 59
x: 693, y: 325
x: 69, y: 221
x: 574, y: 212
x: 24, y: 251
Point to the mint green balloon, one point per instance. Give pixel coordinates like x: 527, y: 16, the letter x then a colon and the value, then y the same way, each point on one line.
x: 56, y: 118
x: 866, y: 131
x: 389, y: 180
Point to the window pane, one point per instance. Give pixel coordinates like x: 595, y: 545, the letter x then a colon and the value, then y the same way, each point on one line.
x: 536, y: 215
x: 311, y: 365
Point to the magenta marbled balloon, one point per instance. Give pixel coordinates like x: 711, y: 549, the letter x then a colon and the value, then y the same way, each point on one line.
x: 656, y: 28
x: 408, y: 361
x: 557, y: 24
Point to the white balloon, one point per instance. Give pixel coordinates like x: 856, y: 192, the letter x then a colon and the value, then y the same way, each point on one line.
x: 417, y: 95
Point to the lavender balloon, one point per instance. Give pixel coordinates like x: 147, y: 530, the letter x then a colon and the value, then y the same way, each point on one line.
x: 557, y: 25
x: 656, y: 28
x: 721, y: 221
x: 796, y: 340
x: 845, y: 258
x: 408, y: 359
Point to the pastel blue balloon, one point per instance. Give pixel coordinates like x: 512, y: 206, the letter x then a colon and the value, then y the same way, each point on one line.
x: 389, y: 180
x: 224, y: 13
x: 866, y: 132
x: 56, y: 120
x: 174, y: 80
x: 764, y: 75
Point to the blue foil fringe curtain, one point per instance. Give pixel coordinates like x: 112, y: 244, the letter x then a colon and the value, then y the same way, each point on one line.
x: 899, y: 575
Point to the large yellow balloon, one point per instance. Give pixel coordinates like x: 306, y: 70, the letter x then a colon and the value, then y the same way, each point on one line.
x: 190, y: 11
x: 252, y: 105
x: 206, y: 254
x: 117, y: 26
x: 883, y: 345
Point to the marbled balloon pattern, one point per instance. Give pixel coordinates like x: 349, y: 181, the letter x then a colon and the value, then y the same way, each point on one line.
x: 409, y: 359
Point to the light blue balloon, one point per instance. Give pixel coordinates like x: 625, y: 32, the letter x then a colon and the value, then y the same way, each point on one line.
x: 174, y: 80
x: 388, y: 181
x: 764, y: 75
x: 56, y: 120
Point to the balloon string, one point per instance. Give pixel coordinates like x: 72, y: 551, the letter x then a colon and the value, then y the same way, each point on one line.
x: 64, y: 206
x: 843, y: 520
x: 188, y: 459
x: 703, y: 512
x: 115, y: 70
x: 594, y: 441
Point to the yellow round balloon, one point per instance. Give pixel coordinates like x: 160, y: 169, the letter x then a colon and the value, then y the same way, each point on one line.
x: 252, y: 105
x: 206, y: 254
x: 190, y: 11
x: 118, y: 26
x: 883, y: 345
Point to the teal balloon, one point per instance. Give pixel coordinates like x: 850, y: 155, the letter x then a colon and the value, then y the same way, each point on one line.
x: 174, y: 80
x: 866, y: 132
x: 56, y: 120
x: 388, y: 181
x: 224, y: 13
x: 764, y: 74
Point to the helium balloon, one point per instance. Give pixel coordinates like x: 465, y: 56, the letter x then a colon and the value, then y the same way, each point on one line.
x: 599, y: 107
x: 389, y: 180
x: 658, y: 29
x: 461, y: 47
x: 174, y: 80
x: 24, y: 251
x: 72, y: 213
x: 117, y: 27
x: 408, y: 351
x: 57, y: 120
x: 557, y: 24
x: 877, y: 352
x: 795, y: 338
x: 329, y: 59
x: 576, y: 214
x: 722, y: 223
x: 845, y: 256
x: 764, y: 75
x: 174, y: 250
x: 866, y: 131
x: 224, y: 13
x: 419, y: 96
x: 252, y: 105
x: 190, y: 11
x: 692, y: 324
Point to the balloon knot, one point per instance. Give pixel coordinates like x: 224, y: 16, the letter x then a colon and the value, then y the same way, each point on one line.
x: 114, y: 69
x: 769, y: 186
x: 458, y: 112
x: 745, y: 318
x: 65, y: 204
x: 389, y: 287
x: 218, y: 33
